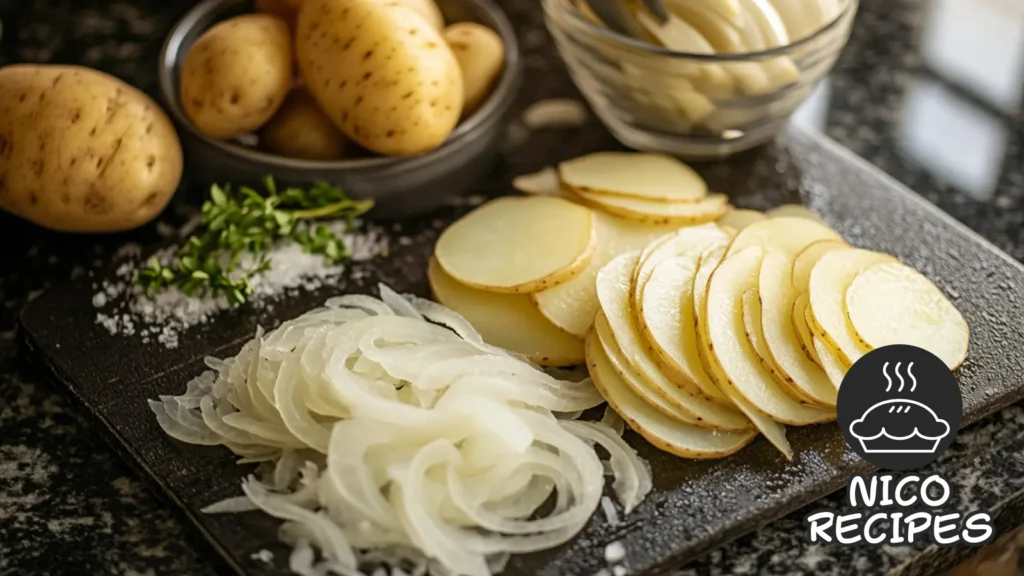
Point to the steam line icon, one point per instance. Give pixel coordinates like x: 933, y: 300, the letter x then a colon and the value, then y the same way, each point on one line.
x: 899, y: 425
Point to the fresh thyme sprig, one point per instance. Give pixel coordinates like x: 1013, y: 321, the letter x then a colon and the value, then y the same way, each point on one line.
x: 238, y: 230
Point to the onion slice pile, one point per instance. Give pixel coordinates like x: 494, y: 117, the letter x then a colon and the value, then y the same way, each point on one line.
x: 392, y: 432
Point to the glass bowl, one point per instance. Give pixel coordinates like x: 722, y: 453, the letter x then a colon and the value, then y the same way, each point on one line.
x: 696, y: 106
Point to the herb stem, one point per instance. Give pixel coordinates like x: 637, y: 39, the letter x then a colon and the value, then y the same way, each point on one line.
x: 360, y: 207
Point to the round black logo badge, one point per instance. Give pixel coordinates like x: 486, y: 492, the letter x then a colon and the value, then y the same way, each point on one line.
x: 899, y: 407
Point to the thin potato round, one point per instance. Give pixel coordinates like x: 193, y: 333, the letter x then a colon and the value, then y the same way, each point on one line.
x: 740, y: 218
x: 612, y: 291
x: 661, y: 431
x: 518, y: 245
x: 794, y: 211
x: 788, y: 235
x: 667, y: 323
x: 830, y: 279
x: 506, y: 320
x: 734, y: 276
x: 691, y: 240
x: 800, y: 314
x: 778, y: 296
x: 808, y: 257
x: 829, y: 363
x: 751, y: 303
x: 572, y: 305
x: 636, y: 383
x: 649, y: 177
x: 541, y: 183
x: 681, y: 213
x: 891, y: 303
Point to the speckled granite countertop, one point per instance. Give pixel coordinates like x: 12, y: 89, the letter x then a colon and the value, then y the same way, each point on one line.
x: 907, y: 95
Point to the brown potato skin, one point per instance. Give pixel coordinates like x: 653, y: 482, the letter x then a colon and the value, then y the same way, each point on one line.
x: 381, y: 72
x: 287, y: 10
x: 300, y: 129
x: 81, y: 151
x: 237, y: 74
x: 481, y: 56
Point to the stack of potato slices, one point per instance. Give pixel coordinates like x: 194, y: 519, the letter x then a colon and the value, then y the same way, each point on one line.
x: 700, y: 324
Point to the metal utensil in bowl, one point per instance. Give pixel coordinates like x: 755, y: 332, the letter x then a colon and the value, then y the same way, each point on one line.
x: 400, y: 186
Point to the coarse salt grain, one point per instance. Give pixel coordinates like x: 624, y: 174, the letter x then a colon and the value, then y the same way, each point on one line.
x: 263, y: 555
x: 614, y: 552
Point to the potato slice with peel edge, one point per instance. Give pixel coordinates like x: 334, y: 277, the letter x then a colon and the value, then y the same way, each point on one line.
x: 830, y: 278
x: 506, y: 320
x: 891, y: 303
x: 797, y: 369
x: 680, y: 213
x: 788, y: 235
x: 572, y: 305
x: 734, y: 276
x: 800, y: 314
x: 515, y: 245
x: 612, y: 291
x: 740, y: 218
x: 667, y: 323
x: 541, y: 183
x: 808, y: 257
x: 829, y: 363
x: 693, y: 239
x: 794, y: 211
x: 638, y: 385
x: 650, y: 177
x: 661, y: 431
x: 751, y: 303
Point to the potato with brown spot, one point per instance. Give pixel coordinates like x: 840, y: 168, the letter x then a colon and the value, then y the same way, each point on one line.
x: 81, y: 151
x: 384, y: 76
x: 300, y: 129
x: 236, y: 76
x: 481, y: 56
x: 426, y: 8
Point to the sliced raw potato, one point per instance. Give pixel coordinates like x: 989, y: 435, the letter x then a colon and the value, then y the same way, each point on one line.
x: 572, y: 305
x: 787, y: 235
x: 768, y: 21
x: 800, y: 314
x: 506, y: 320
x: 637, y: 384
x: 661, y: 431
x: 829, y: 363
x: 668, y: 324
x: 613, y: 292
x: 677, y: 34
x: 740, y: 218
x: 737, y: 274
x: 542, y: 183
x: 808, y: 257
x: 651, y: 212
x: 691, y: 240
x: 650, y: 177
x: 830, y: 278
x: 517, y: 245
x: 555, y: 113
x: 891, y: 303
x: 751, y: 303
x: 793, y: 364
x: 794, y: 211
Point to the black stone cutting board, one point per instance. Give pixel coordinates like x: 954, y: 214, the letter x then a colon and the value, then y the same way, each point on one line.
x: 695, y: 506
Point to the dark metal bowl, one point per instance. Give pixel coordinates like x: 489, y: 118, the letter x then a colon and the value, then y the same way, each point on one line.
x: 400, y: 186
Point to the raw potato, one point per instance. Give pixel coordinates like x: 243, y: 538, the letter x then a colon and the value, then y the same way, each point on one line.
x: 830, y: 279
x: 800, y: 317
x: 81, y: 151
x: 516, y: 245
x: 691, y: 240
x: 646, y: 177
x: 384, y: 76
x: 739, y: 218
x: 660, y: 430
x: 300, y: 129
x: 508, y: 321
x: 679, y: 213
x: 287, y: 10
x: 891, y: 303
x: 427, y: 9
x: 481, y: 56
x: 734, y: 276
x: 794, y: 366
x: 794, y: 211
x: 787, y: 235
x: 750, y: 302
x: 572, y: 305
x: 542, y: 183
x: 808, y: 257
x: 829, y: 363
x: 613, y: 291
x: 636, y: 383
x: 237, y: 74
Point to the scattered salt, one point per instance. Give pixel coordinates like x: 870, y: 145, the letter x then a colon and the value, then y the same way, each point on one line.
x: 380, y: 571
x: 99, y: 300
x: 614, y: 552
x: 165, y: 230
x: 610, y: 513
x: 263, y: 555
x: 619, y: 570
